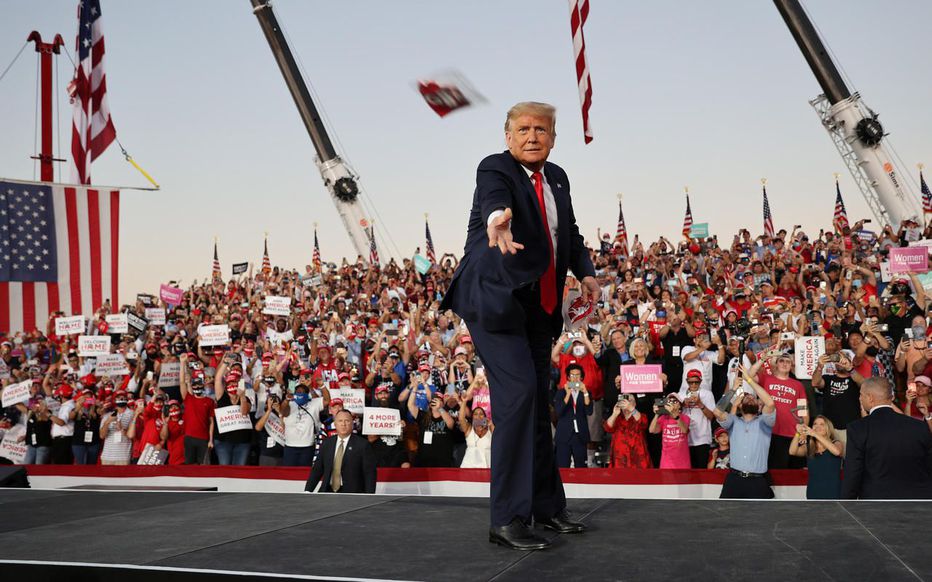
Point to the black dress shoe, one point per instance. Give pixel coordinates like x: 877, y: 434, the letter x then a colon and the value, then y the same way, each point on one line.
x: 561, y: 523
x: 517, y: 536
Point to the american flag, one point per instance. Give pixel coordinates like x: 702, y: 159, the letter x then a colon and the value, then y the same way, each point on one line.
x: 840, y: 220
x: 316, y: 257
x: 59, y: 251
x: 92, y: 128
x: 768, y: 218
x: 431, y: 254
x: 216, y: 271
x: 926, y: 194
x: 579, y: 12
x: 373, y: 251
x: 266, y: 263
x: 621, y: 234
x: 688, y: 219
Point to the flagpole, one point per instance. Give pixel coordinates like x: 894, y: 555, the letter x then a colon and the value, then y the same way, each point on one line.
x: 925, y: 223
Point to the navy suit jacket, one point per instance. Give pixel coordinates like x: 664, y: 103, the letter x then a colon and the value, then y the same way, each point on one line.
x: 888, y: 456
x: 483, y: 286
x: 566, y: 415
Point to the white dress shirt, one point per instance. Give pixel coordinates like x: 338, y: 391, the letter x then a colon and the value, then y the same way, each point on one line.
x: 550, y: 204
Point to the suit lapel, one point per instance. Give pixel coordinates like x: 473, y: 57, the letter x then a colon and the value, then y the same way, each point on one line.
x: 559, y: 190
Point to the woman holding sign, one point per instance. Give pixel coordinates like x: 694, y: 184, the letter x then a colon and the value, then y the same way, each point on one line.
x: 232, y: 446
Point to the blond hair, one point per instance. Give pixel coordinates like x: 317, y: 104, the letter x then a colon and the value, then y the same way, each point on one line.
x: 535, y: 108
x: 829, y: 433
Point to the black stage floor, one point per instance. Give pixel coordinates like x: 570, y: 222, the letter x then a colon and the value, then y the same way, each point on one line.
x: 208, y: 536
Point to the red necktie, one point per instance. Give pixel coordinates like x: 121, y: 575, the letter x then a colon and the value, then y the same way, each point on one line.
x: 548, y: 282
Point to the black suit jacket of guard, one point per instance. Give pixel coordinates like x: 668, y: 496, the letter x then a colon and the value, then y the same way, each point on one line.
x: 485, y: 281
x: 888, y: 456
x: 358, y: 470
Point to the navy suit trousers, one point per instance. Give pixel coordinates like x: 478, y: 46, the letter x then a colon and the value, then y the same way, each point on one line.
x: 525, y: 479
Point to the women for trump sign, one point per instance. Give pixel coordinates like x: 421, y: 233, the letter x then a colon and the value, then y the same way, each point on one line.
x: 641, y: 379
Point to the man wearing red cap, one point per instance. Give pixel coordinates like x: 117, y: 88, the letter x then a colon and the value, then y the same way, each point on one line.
x: 522, y: 238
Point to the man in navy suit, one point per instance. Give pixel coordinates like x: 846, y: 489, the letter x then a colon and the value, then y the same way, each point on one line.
x: 572, y: 405
x: 522, y: 237
x: 888, y: 455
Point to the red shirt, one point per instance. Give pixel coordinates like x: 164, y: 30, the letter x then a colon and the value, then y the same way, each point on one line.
x: 328, y: 373
x: 785, y: 393
x: 175, y: 443
x: 198, y: 411
x: 591, y: 370
x: 151, y: 432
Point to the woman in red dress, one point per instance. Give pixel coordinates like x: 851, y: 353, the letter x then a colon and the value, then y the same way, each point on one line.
x: 628, y: 428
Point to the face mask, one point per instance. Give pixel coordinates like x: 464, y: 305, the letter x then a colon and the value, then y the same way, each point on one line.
x: 120, y: 403
x: 300, y: 398
x: 749, y: 408
x: 872, y: 351
x: 856, y: 283
x: 579, y: 351
x: 895, y: 309
x: 198, y: 391
x: 919, y: 332
x: 175, y: 414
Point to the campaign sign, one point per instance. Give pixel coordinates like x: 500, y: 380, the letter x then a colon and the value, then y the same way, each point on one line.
x: 314, y: 281
x: 699, y: 230
x: 230, y: 418
x: 69, y: 325
x: 422, y: 264
x: 214, y: 335
x: 111, y: 365
x: 808, y: 350
x: 641, y: 379
x: 136, y: 323
x: 354, y: 399
x: 93, y: 345
x: 117, y: 323
x: 277, y: 305
x: 275, y: 428
x: 155, y: 315
x: 381, y: 421
x: 239, y: 268
x: 152, y: 456
x: 11, y: 448
x: 909, y: 260
x: 170, y: 374
x: 16, y: 393
x: 170, y: 295
x: 146, y: 299
x: 277, y: 338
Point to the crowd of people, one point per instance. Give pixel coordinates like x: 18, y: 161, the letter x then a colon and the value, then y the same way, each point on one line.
x: 720, y: 317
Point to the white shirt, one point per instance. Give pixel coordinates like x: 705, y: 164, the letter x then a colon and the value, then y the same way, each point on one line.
x: 703, y: 363
x: 700, y: 427
x: 68, y: 429
x: 302, y: 424
x: 549, y: 202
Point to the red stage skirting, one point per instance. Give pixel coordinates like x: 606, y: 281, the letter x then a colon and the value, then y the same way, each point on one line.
x: 574, y: 476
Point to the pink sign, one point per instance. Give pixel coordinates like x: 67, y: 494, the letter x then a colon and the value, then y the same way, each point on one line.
x: 909, y: 260
x: 170, y: 295
x: 641, y: 379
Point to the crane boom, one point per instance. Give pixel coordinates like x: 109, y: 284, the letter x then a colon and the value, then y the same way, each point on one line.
x: 853, y: 127
x: 338, y: 177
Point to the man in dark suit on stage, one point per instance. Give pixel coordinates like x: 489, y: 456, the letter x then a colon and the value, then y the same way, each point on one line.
x: 345, y: 463
x: 888, y: 455
x: 522, y: 237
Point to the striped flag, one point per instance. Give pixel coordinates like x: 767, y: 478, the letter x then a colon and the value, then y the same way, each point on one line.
x: 316, y: 258
x: 926, y: 194
x: 59, y: 251
x: 621, y: 234
x: 579, y: 12
x: 92, y: 128
x: 373, y: 250
x: 216, y: 270
x: 688, y: 219
x: 768, y: 217
x: 266, y: 263
x: 840, y: 220
x: 431, y: 254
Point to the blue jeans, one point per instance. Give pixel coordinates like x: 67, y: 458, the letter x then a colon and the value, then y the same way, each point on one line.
x: 38, y: 455
x: 297, y: 456
x: 85, y: 454
x: 231, y: 453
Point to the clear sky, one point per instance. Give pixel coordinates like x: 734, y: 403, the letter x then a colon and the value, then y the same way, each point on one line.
x: 707, y: 94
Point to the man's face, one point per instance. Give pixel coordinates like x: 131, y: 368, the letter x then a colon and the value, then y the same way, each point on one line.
x: 343, y: 423
x: 530, y: 139
x: 784, y: 365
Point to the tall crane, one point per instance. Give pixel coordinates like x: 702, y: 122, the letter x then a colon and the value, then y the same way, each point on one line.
x: 854, y: 128
x: 339, y: 178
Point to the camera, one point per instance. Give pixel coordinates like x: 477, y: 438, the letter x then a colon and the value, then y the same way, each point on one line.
x: 834, y: 358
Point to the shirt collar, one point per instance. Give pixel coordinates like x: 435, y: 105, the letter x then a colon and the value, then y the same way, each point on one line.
x: 879, y: 406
